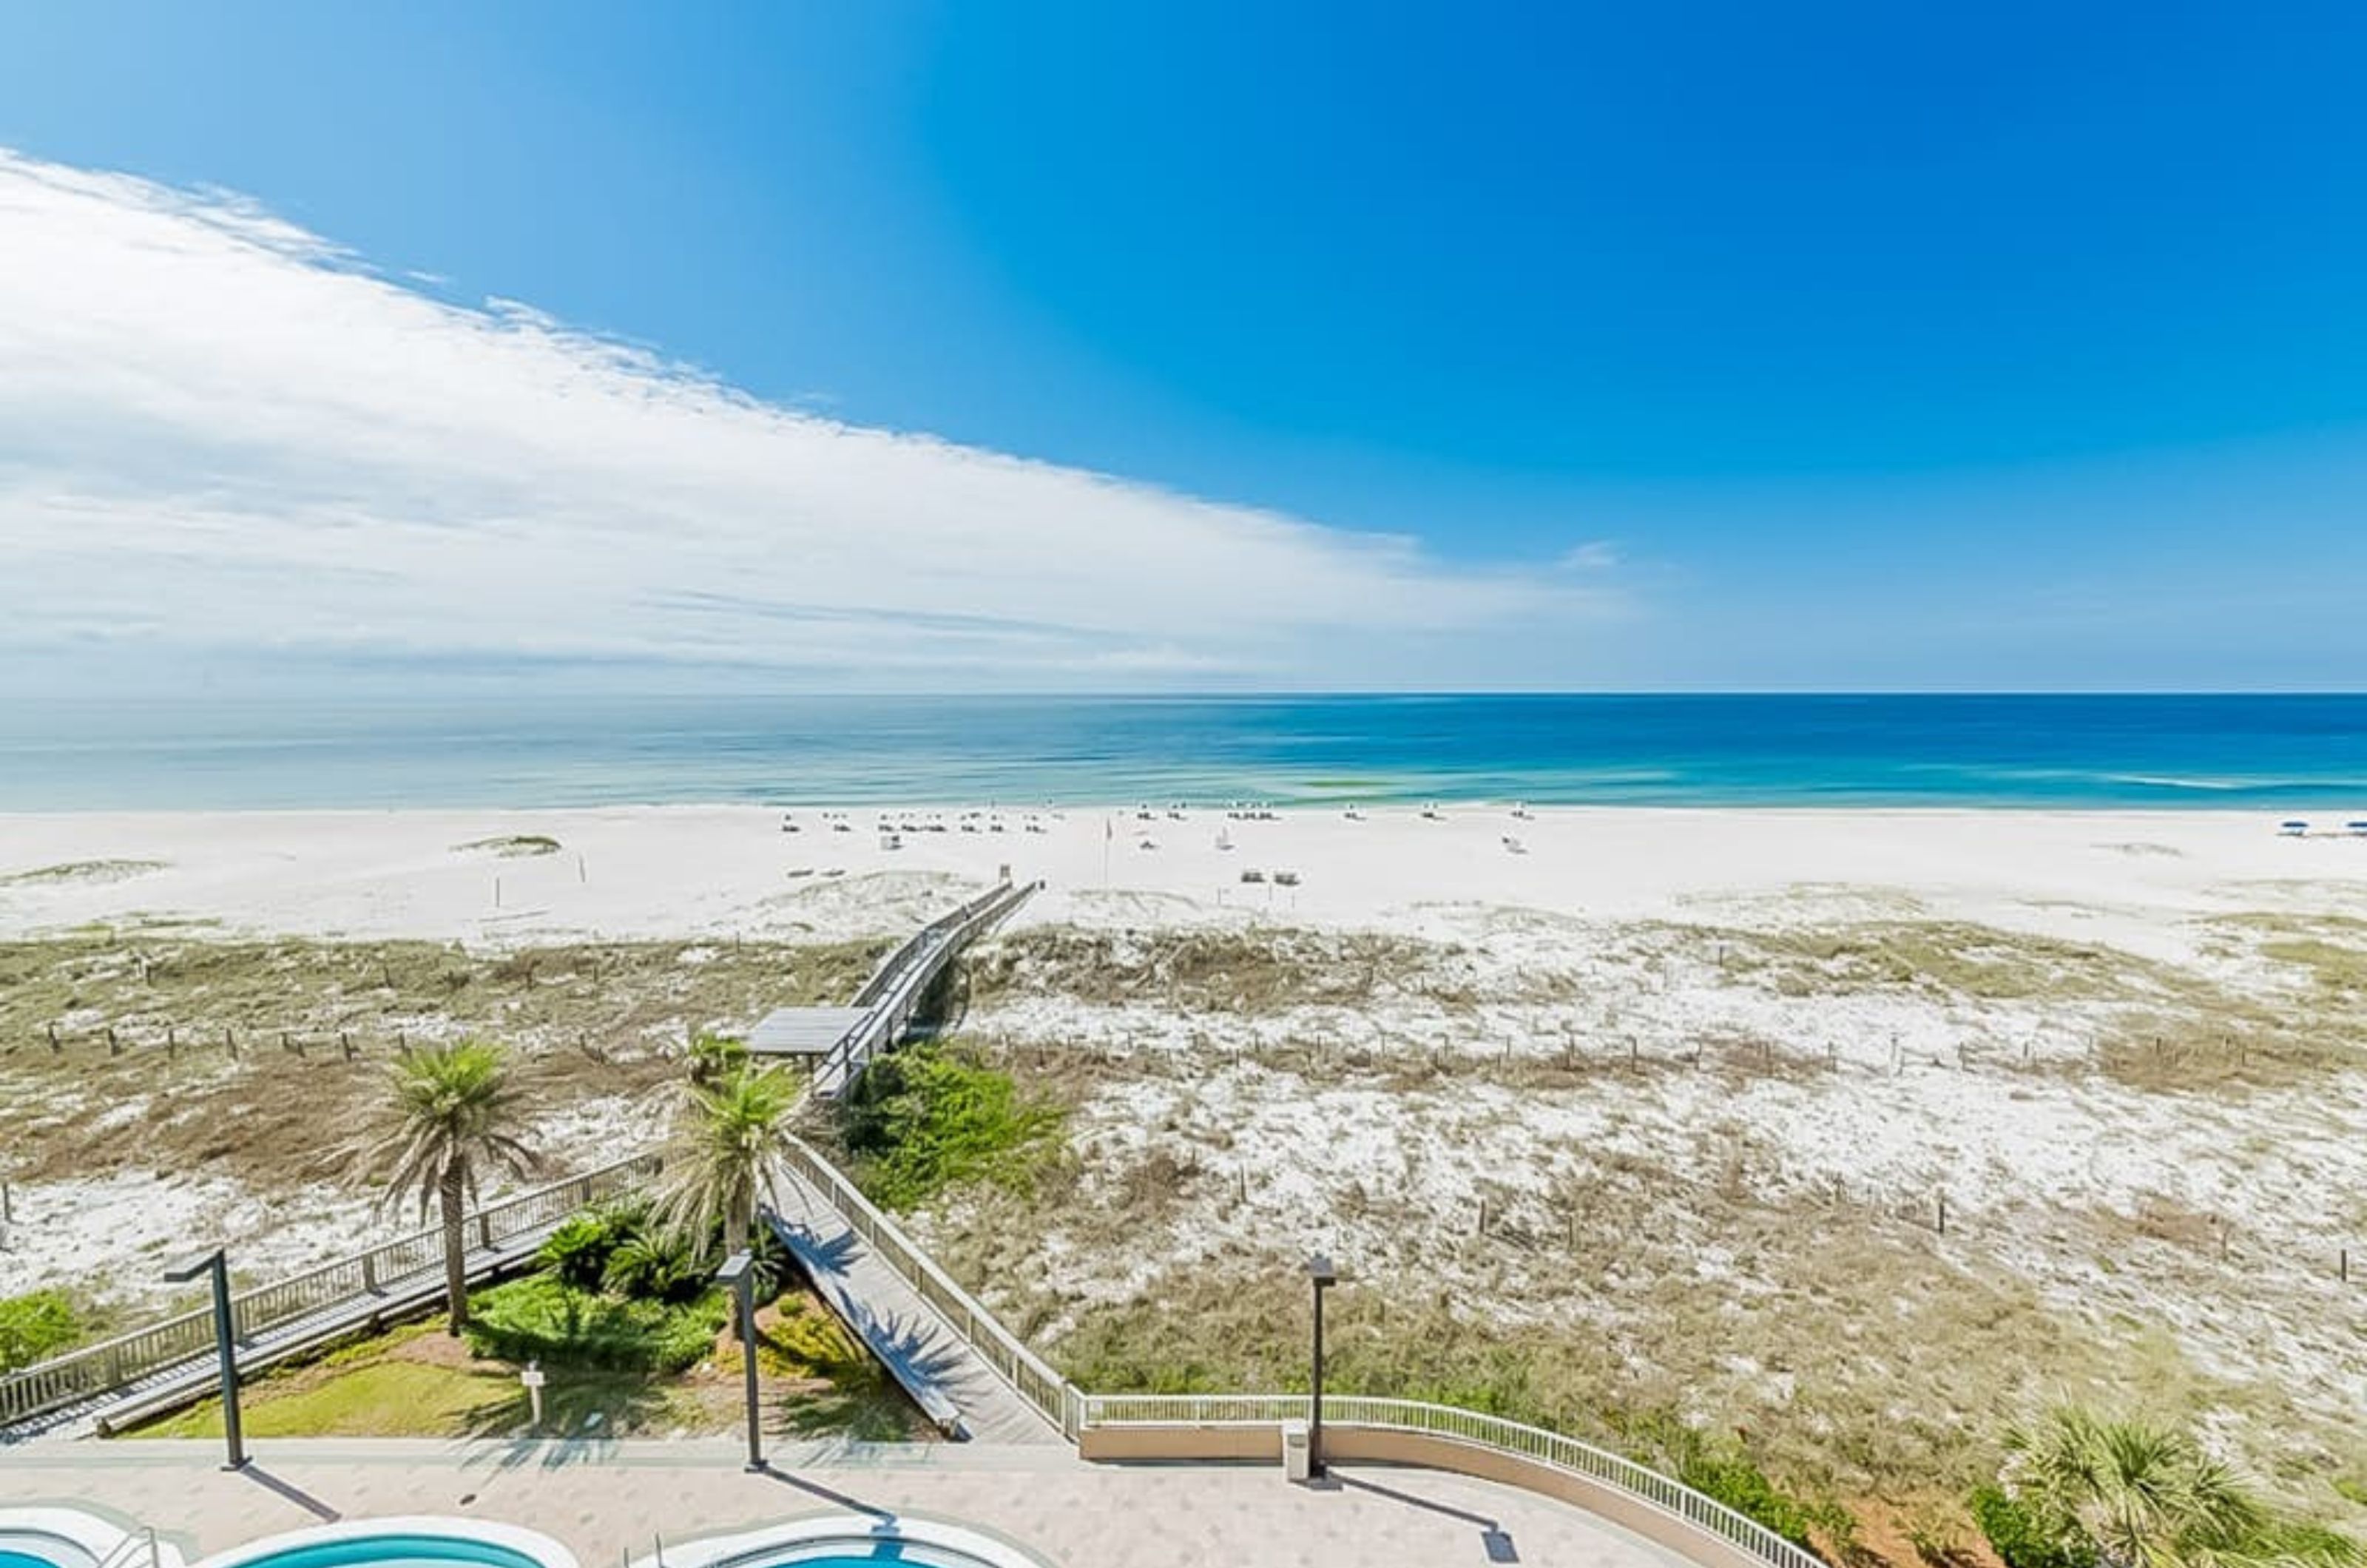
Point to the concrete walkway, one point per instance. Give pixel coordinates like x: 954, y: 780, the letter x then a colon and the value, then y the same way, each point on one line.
x: 605, y: 1501
x: 945, y: 1376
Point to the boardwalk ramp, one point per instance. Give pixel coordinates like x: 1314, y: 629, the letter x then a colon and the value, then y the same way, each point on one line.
x: 954, y: 1386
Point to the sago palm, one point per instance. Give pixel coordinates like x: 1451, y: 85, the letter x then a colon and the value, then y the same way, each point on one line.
x: 728, y: 1143
x: 455, y: 1110
x: 2146, y: 1495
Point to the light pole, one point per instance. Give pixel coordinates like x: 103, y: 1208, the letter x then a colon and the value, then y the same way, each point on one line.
x: 1319, y: 1270
x: 225, y: 1342
x: 739, y: 1271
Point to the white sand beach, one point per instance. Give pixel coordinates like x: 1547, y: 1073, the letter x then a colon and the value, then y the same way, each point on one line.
x: 2127, y: 877
x: 1705, y: 1075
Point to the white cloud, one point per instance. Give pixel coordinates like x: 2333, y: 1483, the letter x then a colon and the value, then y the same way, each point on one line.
x: 219, y: 433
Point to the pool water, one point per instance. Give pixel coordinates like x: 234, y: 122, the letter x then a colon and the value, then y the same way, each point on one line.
x: 9, y: 1559
x: 393, y: 1551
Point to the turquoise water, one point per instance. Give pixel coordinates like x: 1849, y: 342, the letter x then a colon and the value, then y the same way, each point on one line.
x: 19, y: 1560
x: 2242, y: 752
x: 397, y: 1552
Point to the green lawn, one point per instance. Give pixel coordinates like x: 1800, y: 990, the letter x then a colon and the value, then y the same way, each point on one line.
x: 413, y: 1382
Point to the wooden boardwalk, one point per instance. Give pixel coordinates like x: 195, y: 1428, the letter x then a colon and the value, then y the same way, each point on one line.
x: 893, y: 994
x: 953, y: 1386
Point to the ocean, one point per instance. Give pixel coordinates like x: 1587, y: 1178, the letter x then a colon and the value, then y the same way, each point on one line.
x: 2229, y: 752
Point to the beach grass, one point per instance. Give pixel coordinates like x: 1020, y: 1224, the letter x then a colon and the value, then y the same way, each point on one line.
x: 257, y: 1055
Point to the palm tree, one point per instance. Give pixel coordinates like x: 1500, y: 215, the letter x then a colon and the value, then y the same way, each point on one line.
x: 453, y: 1111
x: 728, y: 1146
x: 2146, y: 1495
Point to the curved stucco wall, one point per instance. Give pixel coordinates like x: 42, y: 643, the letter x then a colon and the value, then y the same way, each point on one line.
x: 1145, y: 1442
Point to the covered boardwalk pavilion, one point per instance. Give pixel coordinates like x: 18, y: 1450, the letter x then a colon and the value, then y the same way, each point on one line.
x: 806, y: 1034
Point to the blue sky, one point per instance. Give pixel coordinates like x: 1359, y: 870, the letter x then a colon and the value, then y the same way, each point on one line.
x: 1699, y: 346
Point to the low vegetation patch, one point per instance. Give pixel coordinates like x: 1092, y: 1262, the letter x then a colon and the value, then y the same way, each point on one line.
x: 543, y: 1318
x: 1267, y: 970
x: 934, y: 1115
x: 36, y: 1325
x: 1951, y: 957
x: 90, y: 871
x: 257, y: 1053
x: 514, y: 846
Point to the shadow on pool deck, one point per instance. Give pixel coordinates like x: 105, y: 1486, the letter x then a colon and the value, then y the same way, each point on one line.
x: 815, y: 1488
x: 290, y: 1491
x: 1492, y: 1536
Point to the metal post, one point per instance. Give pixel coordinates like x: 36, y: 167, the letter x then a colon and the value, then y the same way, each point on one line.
x: 747, y: 1287
x: 1315, y: 1422
x: 215, y: 1265
x: 226, y: 1343
x: 738, y: 1272
x: 1320, y: 1271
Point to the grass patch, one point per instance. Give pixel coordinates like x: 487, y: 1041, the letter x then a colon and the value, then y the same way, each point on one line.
x: 936, y: 1115
x: 86, y: 871
x: 1241, y: 972
x: 1947, y: 957
x: 36, y: 1325
x: 514, y: 846
x: 413, y: 1382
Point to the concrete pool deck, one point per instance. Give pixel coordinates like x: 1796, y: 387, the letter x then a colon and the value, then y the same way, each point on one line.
x: 606, y: 1501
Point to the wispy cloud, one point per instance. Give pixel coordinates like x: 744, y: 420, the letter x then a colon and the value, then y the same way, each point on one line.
x: 218, y: 432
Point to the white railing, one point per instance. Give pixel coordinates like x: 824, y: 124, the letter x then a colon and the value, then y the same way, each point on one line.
x: 133, y: 1548
x: 1600, y: 1465
x: 1053, y: 1396
x: 123, y: 1360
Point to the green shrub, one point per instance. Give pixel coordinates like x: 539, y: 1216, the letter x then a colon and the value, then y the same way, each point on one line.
x: 578, y: 1251
x: 1721, y: 1469
x: 656, y: 1266
x: 1729, y: 1476
x: 931, y: 1116
x: 2022, y: 1537
x: 35, y: 1327
x: 622, y: 1250
x: 542, y: 1318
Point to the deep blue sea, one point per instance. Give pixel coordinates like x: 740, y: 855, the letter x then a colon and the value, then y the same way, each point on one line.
x: 2241, y: 753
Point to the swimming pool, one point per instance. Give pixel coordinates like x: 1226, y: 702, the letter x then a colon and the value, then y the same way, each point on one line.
x: 848, y: 1540
x: 400, y: 1543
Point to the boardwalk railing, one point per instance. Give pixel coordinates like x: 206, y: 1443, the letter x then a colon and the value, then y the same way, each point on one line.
x: 896, y: 988
x: 1599, y: 1465
x: 119, y: 1363
x: 1053, y: 1396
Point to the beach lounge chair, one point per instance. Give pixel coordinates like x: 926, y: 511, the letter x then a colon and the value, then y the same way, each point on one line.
x: 2296, y: 828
